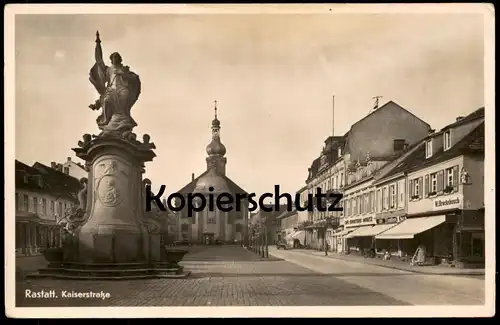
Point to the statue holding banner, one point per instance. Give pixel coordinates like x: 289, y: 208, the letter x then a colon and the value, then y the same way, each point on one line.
x: 119, y: 89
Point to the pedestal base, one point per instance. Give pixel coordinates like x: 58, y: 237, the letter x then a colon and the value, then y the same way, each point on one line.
x: 128, y: 271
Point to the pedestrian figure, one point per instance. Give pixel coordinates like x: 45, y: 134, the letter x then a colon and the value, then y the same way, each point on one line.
x: 326, y: 248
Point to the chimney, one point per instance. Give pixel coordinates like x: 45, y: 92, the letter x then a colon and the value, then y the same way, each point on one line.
x: 69, y: 158
x: 59, y: 168
x: 53, y: 165
x: 192, y: 177
x: 399, y: 145
x: 459, y: 118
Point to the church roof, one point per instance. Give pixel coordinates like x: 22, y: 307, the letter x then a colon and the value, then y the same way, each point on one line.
x: 211, y: 179
x: 232, y: 186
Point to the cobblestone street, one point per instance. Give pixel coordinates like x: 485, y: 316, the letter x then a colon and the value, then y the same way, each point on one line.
x: 221, y: 276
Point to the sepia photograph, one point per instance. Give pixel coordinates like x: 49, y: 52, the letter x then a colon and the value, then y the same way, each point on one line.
x: 337, y: 158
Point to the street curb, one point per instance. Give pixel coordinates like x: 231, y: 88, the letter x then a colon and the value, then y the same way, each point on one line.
x: 395, y: 268
x: 263, y: 259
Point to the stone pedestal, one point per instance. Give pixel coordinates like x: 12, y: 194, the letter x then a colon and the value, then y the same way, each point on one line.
x: 114, y: 230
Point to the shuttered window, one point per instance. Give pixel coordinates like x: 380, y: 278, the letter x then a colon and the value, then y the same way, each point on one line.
x: 455, y: 179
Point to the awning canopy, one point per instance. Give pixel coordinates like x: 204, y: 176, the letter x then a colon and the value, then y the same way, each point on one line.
x: 300, y: 236
x: 412, y: 226
x: 372, y: 231
x: 344, y: 232
x: 355, y: 232
x: 289, y: 236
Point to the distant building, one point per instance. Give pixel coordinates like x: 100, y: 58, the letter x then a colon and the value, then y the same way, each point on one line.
x: 370, y: 143
x: 266, y: 223
x: 42, y: 194
x: 71, y: 168
x: 206, y: 227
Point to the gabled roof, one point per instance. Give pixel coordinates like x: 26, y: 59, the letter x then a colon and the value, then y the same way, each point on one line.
x: 386, y: 105
x: 53, y: 182
x: 189, y: 187
x: 471, y: 144
x: 477, y: 114
x: 410, y: 161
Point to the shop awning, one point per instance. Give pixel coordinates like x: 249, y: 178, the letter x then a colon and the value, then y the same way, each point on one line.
x: 412, y: 226
x: 300, y: 236
x: 358, y: 230
x: 372, y: 231
x: 344, y: 232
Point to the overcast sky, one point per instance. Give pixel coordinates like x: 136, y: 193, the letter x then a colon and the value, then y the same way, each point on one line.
x: 273, y: 75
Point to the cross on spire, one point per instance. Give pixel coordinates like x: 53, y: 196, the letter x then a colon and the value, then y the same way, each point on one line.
x: 215, y: 108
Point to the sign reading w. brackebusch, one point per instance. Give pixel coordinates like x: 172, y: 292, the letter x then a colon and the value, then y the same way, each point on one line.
x: 448, y: 202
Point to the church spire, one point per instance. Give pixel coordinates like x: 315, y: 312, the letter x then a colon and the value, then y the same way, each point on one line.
x: 215, y: 124
x: 216, y: 149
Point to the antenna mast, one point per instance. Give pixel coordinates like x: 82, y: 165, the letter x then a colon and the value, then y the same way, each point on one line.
x: 377, y: 100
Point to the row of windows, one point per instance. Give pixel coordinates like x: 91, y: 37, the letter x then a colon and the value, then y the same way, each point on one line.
x: 441, y: 182
x: 36, y: 205
x: 332, y: 183
x: 446, y: 144
x: 360, y: 204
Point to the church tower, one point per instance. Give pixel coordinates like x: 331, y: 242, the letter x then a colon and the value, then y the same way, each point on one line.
x: 216, y: 150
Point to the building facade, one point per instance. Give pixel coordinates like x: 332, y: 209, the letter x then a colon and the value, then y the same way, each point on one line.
x: 42, y: 196
x: 445, y: 192
x: 215, y: 225
x: 349, y: 159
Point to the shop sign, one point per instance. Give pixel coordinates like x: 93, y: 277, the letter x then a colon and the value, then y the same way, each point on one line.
x: 388, y: 220
x: 448, y: 202
x: 360, y: 221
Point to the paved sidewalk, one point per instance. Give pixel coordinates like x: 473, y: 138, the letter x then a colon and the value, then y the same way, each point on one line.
x: 394, y: 264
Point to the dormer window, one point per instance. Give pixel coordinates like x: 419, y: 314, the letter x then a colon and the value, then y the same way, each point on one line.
x: 447, y: 140
x: 339, y: 152
x: 428, y: 149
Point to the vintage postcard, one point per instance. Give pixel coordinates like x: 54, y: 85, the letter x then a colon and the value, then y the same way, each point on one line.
x: 246, y: 160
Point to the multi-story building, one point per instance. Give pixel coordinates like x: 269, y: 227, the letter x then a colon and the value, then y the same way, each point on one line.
x: 42, y: 196
x: 302, y: 196
x: 445, y: 195
x: 326, y: 172
x: 367, y: 195
x: 363, y: 149
x: 290, y: 228
x: 212, y: 225
x: 267, y: 224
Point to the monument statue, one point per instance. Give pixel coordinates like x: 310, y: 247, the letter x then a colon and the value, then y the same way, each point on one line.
x: 119, y: 89
x: 73, y: 217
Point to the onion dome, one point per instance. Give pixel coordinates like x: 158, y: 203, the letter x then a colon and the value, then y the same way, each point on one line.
x: 216, y: 148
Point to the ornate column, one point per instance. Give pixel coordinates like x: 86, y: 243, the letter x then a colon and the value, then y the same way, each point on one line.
x: 115, y: 229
